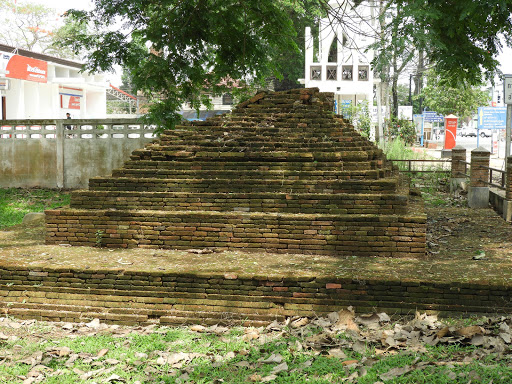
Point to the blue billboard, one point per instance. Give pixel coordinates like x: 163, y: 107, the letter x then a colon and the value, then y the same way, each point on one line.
x: 492, y: 117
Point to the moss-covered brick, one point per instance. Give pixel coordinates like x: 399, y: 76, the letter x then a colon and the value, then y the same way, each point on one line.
x: 296, y: 184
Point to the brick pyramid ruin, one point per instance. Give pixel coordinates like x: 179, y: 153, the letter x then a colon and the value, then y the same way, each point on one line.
x: 281, y: 173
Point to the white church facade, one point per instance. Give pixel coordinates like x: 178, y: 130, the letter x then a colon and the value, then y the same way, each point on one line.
x: 338, y: 58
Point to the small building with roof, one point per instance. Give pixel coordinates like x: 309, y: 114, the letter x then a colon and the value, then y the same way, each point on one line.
x: 39, y: 86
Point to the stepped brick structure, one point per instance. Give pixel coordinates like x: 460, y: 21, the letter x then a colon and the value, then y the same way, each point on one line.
x: 280, y: 173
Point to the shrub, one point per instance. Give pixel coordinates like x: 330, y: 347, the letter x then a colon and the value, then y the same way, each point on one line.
x: 401, y: 128
x: 359, y: 117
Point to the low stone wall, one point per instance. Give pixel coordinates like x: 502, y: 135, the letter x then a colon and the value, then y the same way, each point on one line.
x: 171, y: 298
x: 45, y: 154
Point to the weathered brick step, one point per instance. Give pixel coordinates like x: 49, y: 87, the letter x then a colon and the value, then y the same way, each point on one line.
x: 353, y: 155
x: 65, y: 313
x: 248, y: 202
x: 250, y: 294
x: 339, y: 235
x: 198, y: 141
x: 243, y: 174
x: 248, y: 185
x: 264, y: 150
x: 246, y: 128
x: 255, y: 143
x: 186, y: 164
x: 285, y: 129
x: 142, y: 306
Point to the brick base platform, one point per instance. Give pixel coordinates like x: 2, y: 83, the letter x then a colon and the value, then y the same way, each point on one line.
x: 133, y: 297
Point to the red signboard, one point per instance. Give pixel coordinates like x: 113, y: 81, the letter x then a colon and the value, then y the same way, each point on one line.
x: 450, y: 131
x: 26, y: 68
x: 69, y: 102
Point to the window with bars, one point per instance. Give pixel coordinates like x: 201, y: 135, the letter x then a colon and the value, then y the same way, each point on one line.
x: 363, y: 73
x: 332, y: 73
x: 316, y: 73
x: 346, y: 73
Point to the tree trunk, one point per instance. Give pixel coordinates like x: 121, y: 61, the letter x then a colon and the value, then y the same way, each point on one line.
x: 420, y: 68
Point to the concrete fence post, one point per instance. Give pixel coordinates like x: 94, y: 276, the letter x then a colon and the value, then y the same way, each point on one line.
x: 478, y: 193
x: 458, y: 167
x: 507, y: 204
x: 59, y: 137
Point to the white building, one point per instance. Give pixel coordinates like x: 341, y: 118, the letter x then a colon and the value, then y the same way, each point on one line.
x: 219, y: 105
x: 38, y: 86
x: 338, y: 59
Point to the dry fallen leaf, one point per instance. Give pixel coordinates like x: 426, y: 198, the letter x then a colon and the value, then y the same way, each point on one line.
x: 95, y: 323
x: 395, y: 372
x: 300, y: 322
x: 346, y: 320
x: 273, y: 358
x: 279, y: 368
x: 470, y: 331
x: 197, y: 328
x: 268, y: 378
x: 200, y: 251
x: 254, y: 378
x: 338, y: 353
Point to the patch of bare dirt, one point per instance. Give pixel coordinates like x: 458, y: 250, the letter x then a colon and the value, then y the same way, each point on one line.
x: 465, y: 245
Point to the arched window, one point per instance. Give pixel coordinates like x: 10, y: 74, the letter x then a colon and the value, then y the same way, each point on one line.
x: 333, y: 51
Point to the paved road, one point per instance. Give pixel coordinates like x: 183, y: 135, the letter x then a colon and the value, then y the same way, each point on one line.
x: 470, y: 143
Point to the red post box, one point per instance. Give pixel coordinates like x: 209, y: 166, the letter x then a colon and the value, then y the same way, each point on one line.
x: 450, y: 131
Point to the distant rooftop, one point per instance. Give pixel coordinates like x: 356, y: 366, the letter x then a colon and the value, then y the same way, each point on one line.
x: 41, y: 56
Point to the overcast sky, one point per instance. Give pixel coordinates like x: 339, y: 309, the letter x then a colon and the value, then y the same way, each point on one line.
x: 65, y: 5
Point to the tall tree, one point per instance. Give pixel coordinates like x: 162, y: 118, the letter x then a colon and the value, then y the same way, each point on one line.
x: 176, y: 49
x: 35, y: 27
x: 29, y: 26
x: 194, y: 44
x: 290, y: 63
x: 462, y: 38
x: 462, y: 101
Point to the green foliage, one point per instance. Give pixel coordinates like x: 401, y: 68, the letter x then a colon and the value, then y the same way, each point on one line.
x: 402, y: 129
x: 359, y: 117
x: 461, y: 101
x: 403, y: 94
x: 177, y: 50
x: 34, y: 27
x: 397, y: 149
x: 462, y: 38
x: 194, y: 46
x: 16, y: 203
x: 290, y: 63
x: 99, y: 234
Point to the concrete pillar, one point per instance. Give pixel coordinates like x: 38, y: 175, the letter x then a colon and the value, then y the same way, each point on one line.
x: 507, y: 204
x: 458, y: 167
x: 478, y: 193
x: 59, y: 137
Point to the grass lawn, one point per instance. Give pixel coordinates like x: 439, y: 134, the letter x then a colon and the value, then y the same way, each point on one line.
x: 16, y: 203
x: 314, y: 353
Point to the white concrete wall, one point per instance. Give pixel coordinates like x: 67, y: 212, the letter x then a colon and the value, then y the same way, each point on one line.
x: 47, y: 155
